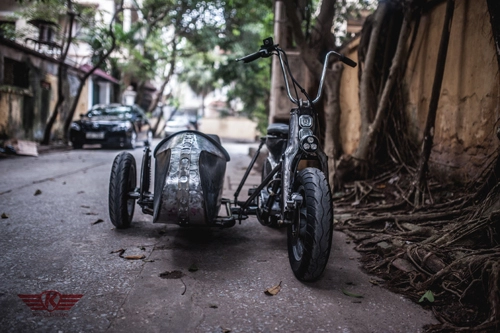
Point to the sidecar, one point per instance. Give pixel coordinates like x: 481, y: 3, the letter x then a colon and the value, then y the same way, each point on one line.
x: 189, y: 171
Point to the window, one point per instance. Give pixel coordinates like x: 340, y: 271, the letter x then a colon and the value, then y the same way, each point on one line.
x: 16, y: 73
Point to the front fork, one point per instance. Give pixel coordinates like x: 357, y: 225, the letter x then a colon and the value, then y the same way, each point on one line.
x: 290, y: 201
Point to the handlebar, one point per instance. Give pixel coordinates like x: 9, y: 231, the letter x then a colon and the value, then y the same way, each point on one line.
x: 348, y: 61
x: 268, y: 48
x: 251, y: 57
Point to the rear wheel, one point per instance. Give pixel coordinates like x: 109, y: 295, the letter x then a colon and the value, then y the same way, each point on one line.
x: 269, y: 220
x: 122, y: 182
x: 146, y: 172
x: 310, y: 236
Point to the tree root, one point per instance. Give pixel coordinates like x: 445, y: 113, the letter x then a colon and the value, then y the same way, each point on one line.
x: 451, y: 248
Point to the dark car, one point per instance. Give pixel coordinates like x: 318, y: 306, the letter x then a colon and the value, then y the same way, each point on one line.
x: 112, y: 125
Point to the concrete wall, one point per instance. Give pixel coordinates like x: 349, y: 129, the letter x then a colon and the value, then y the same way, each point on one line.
x: 241, y: 129
x: 469, y: 105
x: 24, y: 112
x: 468, y: 108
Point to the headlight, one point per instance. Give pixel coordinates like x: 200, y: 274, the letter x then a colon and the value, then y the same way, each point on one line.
x: 75, y: 126
x: 309, y: 144
x: 122, y: 127
x: 305, y: 132
x: 305, y: 121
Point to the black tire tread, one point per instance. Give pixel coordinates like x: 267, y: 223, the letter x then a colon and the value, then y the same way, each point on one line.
x: 123, y: 164
x: 319, y: 230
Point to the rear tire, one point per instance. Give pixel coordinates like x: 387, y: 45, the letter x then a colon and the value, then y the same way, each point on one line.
x: 310, y: 236
x: 146, y: 172
x: 122, y: 181
x: 269, y: 221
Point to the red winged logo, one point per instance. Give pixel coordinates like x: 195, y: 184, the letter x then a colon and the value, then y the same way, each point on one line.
x: 50, y: 300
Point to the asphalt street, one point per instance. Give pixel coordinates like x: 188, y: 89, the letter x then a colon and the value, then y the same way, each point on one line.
x: 57, y: 238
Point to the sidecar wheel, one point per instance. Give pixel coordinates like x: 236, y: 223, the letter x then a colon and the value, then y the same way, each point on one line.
x: 310, y: 237
x: 122, y: 182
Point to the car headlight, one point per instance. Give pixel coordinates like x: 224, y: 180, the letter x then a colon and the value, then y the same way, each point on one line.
x: 122, y: 127
x: 75, y: 126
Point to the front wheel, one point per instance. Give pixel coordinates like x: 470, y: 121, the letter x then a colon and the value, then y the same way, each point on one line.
x: 122, y: 182
x: 309, y: 238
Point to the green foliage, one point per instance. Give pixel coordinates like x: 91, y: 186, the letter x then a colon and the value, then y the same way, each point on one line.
x: 349, y: 9
x: 428, y: 296
x: 247, y: 23
x: 199, y: 73
x: 210, y: 35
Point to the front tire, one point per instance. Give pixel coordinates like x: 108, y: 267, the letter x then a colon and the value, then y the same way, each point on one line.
x: 122, y: 181
x: 309, y: 238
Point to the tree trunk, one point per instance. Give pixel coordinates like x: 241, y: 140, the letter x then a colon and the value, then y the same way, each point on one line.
x: 166, y: 80
x: 369, y: 137
x: 61, y: 74
x: 366, y: 93
x: 320, y: 34
x: 83, y: 79
x: 333, y: 141
x: 494, y: 10
x: 420, y: 186
x: 140, y: 92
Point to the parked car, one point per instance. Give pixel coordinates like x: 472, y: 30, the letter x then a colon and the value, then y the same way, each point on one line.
x: 111, y: 125
x: 179, y: 122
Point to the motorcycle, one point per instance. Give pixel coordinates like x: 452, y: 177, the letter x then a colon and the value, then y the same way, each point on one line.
x: 189, y: 178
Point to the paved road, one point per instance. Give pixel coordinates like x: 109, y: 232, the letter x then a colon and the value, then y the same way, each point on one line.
x: 49, y: 242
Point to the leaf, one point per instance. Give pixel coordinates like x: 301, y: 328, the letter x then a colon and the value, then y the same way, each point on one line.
x: 427, y: 296
x: 98, y: 221
x: 273, y: 290
x: 135, y: 257
x: 351, y: 294
x: 120, y: 252
x: 193, y: 268
x: 38, y: 192
x: 5, y: 216
x: 171, y: 275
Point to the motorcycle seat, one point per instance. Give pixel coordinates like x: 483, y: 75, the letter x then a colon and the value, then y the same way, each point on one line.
x: 277, y: 129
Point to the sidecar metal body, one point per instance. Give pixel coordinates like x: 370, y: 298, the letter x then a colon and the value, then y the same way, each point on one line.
x: 189, y: 179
